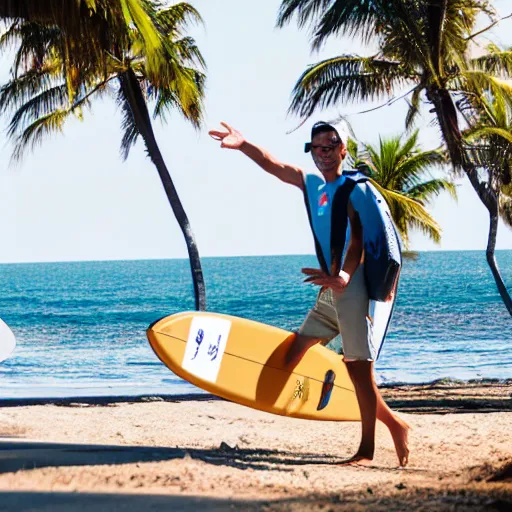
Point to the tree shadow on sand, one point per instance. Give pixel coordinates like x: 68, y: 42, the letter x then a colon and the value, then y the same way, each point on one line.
x: 414, y: 499
x: 18, y: 455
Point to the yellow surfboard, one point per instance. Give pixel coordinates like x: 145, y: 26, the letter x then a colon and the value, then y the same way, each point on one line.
x: 243, y: 361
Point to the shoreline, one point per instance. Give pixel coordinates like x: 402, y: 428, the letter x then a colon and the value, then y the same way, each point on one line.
x: 441, y: 396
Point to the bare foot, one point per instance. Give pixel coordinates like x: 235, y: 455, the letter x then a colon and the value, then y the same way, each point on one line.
x: 357, y: 460
x: 298, y: 348
x: 400, y: 436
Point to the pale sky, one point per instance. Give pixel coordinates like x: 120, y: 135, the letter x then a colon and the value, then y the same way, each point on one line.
x: 74, y: 198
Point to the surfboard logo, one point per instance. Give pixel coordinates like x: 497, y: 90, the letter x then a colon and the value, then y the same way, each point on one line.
x: 213, y: 349
x: 299, y: 396
x: 376, y: 247
x: 299, y: 390
x: 205, y: 347
x: 323, y: 204
x: 327, y: 388
x: 199, y: 340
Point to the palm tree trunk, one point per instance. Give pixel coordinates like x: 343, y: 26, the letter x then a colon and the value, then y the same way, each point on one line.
x: 490, y: 199
x: 447, y: 116
x: 491, y: 260
x: 132, y: 92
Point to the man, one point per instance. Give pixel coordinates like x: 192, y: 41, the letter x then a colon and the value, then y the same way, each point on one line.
x: 342, y: 304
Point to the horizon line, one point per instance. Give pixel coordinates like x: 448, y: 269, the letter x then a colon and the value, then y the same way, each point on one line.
x: 112, y: 260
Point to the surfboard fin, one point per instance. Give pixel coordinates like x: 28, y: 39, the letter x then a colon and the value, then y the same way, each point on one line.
x: 327, y: 388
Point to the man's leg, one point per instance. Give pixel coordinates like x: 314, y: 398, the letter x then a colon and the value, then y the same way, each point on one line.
x: 372, y: 407
x: 398, y: 429
x: 298, y: 348
x: 320, y: 326
x: 361, y: 373
x: 355, y: 330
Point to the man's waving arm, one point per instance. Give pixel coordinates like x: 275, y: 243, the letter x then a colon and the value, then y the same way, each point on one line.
x: 233, y: 139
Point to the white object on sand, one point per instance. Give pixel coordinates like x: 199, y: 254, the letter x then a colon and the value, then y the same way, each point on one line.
x: 7, y: 341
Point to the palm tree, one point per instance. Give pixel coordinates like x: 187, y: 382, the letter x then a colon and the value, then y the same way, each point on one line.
x: 398, y: 168
x: 491, y: 132
x: 423, y: 46
x: 42, y: 98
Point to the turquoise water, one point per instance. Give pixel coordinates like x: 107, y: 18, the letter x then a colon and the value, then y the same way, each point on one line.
x: 81, y: 326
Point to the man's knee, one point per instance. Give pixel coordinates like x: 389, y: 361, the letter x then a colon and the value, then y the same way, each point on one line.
x: 360, y: 368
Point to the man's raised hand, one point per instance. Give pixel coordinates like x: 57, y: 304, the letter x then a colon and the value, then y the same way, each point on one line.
x: 231, y: 139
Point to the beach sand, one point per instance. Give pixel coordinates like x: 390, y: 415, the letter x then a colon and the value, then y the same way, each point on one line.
x: 209, y: 454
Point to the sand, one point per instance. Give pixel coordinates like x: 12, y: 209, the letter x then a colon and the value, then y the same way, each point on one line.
x: 209, y: 454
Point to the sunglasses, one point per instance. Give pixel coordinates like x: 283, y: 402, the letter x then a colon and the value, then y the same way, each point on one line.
x: 309, y: 146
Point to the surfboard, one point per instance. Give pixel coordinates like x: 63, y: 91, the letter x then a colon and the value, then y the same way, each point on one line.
x: 243, y: 361
x: 382, y: 252
x: 382, y: 255
x: 7, y: 341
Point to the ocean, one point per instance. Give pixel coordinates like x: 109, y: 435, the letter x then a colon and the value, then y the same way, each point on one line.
x: 80, y: 326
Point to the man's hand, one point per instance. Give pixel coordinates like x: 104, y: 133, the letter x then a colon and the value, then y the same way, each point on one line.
x: 232, y: 139
x: 320, y: 278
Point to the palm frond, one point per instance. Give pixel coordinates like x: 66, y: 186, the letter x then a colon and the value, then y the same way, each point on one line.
x: 490, y: 131
x: 40, y: 105
x: 489, y: 139
x: 408, y: 146
x: 497, y: 62
x: 136, y: 13
x: 10, y: 37
x: 305, y: 10
x: 476, y: 82
x: 459, y: 21
x: 36, y: 43
x: 424, y: 191
x: 17, y: 91
x: 505, y: 209
x: 348, y: 17
x: 409, y: 213
x: 345, y: 78
x: 414, y: 107
x: 92, y: 27
x: 177, y: 17
x: 352, y: 148
x: 129, y: 126
x: 386, y: 159
x: 35, y: 133
x: 408, y: 36
x: 187, y: 100
x: 412, y: 168
x: 188, y: 53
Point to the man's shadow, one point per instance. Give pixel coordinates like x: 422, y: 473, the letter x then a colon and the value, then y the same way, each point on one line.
x: 275, y: 374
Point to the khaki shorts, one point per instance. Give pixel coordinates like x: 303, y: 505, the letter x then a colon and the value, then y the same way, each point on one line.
x: 345, y: 314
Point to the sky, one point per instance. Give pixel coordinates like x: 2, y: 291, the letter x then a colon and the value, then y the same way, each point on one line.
x: 74, y: 198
